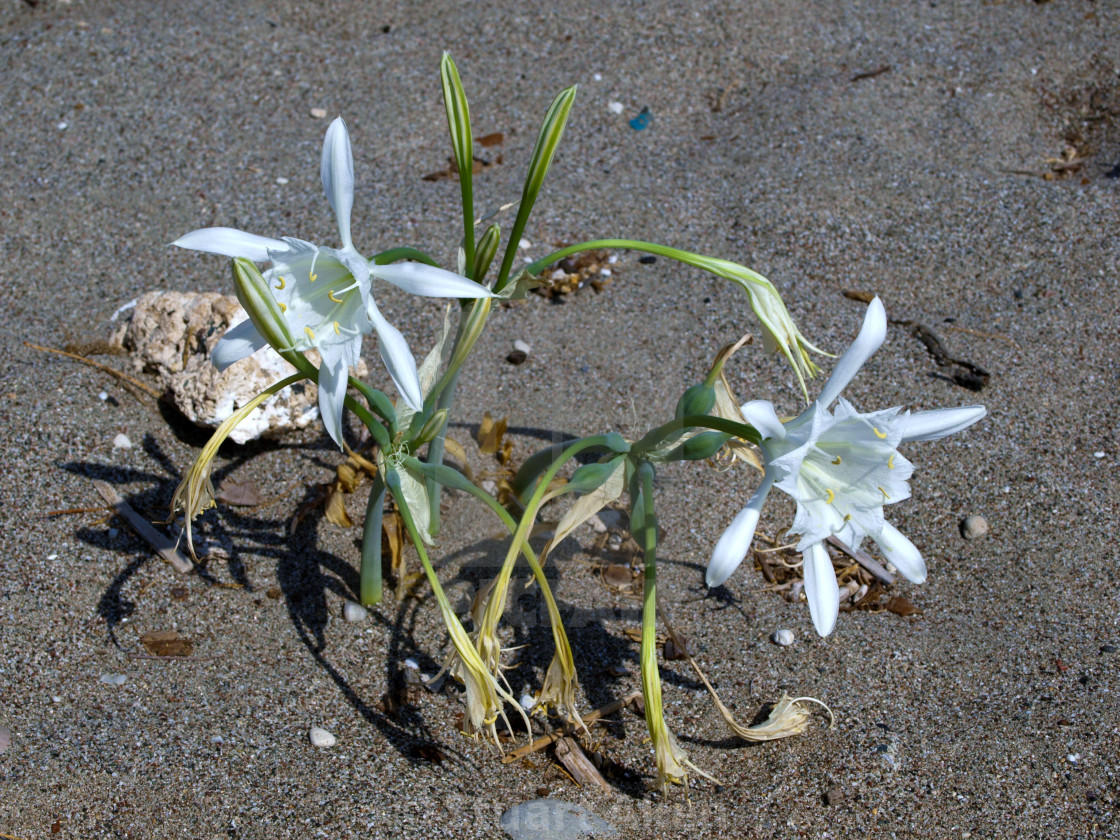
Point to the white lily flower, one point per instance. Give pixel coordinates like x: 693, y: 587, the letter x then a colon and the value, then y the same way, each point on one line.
x: 325, y: 293
x: 841, y: 468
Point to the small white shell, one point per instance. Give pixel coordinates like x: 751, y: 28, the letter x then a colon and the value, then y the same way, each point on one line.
x: 782, y: 637
x: 354, y: 612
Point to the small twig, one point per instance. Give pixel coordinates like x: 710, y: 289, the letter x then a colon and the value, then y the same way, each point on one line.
x: 568, y: 729
x: 165, y: 547
x: 865, y: 560
x: 72, y: 511
x: 111, y: 371
x: 170, y: 658
x: 871, y: 74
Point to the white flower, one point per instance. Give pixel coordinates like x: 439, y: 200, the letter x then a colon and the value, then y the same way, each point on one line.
x: 325, y: 293
x: 840, y: 467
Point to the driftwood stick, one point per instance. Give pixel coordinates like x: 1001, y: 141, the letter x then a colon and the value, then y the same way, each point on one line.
x: 124, y: 377
x: 165, y: 547
x: 865, y: 560
x: 575, y: 761
x: 545, y: 740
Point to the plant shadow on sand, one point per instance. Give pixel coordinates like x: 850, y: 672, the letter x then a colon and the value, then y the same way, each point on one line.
x: 306, y: 575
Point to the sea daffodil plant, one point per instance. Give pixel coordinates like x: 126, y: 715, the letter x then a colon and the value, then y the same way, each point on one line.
x: 840, y: 466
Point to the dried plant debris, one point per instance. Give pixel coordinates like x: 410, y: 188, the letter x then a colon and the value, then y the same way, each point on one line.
x: 860, y: 589
x: 965, y: 373
x: 1088, y: 115
x: 567, y: 277
x: 451, y: 172
x: 240, y: 493
x: 167, y: 643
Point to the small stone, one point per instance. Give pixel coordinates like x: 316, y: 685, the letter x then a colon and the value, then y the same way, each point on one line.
x: 319, y: 113
x: 1109, y: 648
x: 528, y: 701
x: 321, y: 738
x: 114, y: 679
x: 1073, y: 758
x: 612, y: 259
x: 1098, y: 454
x: 616, y: 107
x: 598, y: 77
x: 62, y: 125
x: 542, y: 791
x: 56, y: 698
x: 619, y: 575
x: 5, y: 739
x: 281, y: 180
x: 605, y: 272
x: 648, y: 259
x: 490, y: 486
x: 516, y: 357
x: 274, y: 592
x: 782, y: 637
x: 113, y: 533
x: 412, y: 664
x: 354, y: 612
x: 554, y: 819
x: 597, y: 524
x: 121, y: 441
x: 524, y: 244
x: 521, y: 346
x: 834, y: 797
x: 973, y: 527
x: 103, y: 396
x: 615, y: 542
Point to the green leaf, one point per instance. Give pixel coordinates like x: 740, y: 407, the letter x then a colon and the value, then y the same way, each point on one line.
x: 462, y: 145
x: 547, y: 141
x: 429, y: 371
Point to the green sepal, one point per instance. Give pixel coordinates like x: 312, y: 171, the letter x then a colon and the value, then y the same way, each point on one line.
x: 487, y: 248
x: 699, y: 448
x: 698, y: 399
x: 591, y: 476
x: 256, y: 297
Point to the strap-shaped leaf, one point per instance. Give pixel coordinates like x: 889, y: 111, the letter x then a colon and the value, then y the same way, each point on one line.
x: 547, y: 141
x: 462, y: 145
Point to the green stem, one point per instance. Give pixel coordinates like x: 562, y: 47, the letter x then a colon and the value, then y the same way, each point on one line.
x: 403, y: 253
x: 369, y: 586
x: 719, y: 424
x: 542, y: 458
x: 377, y: 402
x: 629, y: 244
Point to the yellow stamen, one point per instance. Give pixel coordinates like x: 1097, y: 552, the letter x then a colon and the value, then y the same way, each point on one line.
x: 283, y: 283
x: 890, y: 462
x: 836, y: 460
x: 283, y: 308
x: 310, y: 334
x: 878, y: 434
x: 847, y: 517
x: 313, y: 277
x: 330, y: 294
x: 336, y: 330
x: 884, y: 492
x: 831, y: 496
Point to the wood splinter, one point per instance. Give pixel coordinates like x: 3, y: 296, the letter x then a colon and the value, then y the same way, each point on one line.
x: 594, y: 716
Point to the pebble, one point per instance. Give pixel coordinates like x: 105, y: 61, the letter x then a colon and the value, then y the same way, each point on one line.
x: 834, y: 797
x: 5, y: 739
x: 521, y: 346
x: 974, y: 526
x: 616, y: 107
x: 62, y: 126
x: 321, y: 738
x: 524, y: 244
x: 528, y: 701
x: 597, y: 524
x: 121, y: 441
x: 610, y: 517
x: 554, y: 819
x: 319, y: 113
x: 103, y: 396
x: 598, y: 77
x: 1099, y: 453
x: 605, y: 272
x: 412, y: 663
x: 1109, y: 648
x: 113, y: 533
x: 354, y: 612
x: 782, y: 637
x: 281, y: 180
x: 490, y: 486
x: 114, y: 679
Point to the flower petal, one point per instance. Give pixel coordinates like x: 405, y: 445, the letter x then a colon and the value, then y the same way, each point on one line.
x: 821, y: 590
x: 736, y: 539
x: 337, y: 172
x: 902, y: 553
x: 230, y: 242
x: 761, y: 415
x: 333, y: 377
x: 398, y: 358
x: 931, y: 425
x: 240, y: 341
x: 870, y: 338
x: 429, y: 281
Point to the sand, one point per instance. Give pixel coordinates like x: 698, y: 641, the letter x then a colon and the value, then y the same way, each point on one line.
x: 774, y: 140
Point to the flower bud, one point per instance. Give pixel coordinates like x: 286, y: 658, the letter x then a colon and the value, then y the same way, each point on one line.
x: 484, y: 254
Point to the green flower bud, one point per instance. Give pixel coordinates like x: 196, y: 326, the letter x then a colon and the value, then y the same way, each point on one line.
x: 432, y: 427
x: 487, y: 248
x: 697, y: 400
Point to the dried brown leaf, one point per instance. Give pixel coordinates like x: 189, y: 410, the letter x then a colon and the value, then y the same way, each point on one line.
x: 335, y: 510
x: 490, y: 434
x: 239, y: 493
x: 862, y: 297
x: 900, y: 606
x: 167, y: 643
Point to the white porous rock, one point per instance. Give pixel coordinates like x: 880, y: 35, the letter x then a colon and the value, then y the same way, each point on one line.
x: 171, y: 335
